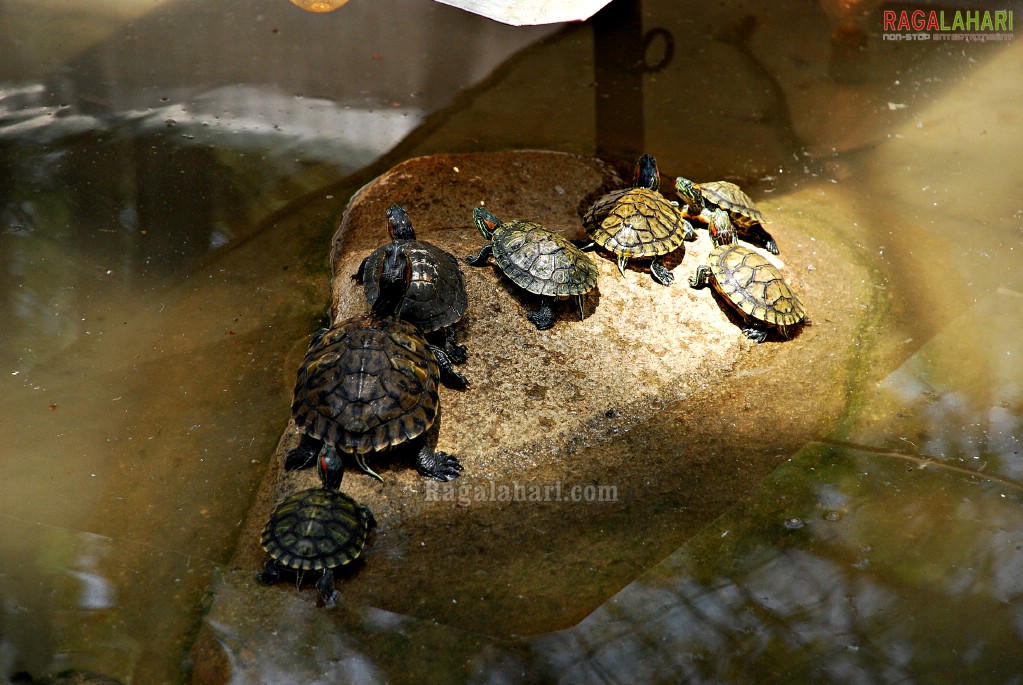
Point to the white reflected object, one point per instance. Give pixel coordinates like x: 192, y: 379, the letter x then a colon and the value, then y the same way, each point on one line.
x: 530, y: 12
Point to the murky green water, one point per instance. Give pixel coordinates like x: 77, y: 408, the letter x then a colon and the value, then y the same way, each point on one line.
x: 169, y: 181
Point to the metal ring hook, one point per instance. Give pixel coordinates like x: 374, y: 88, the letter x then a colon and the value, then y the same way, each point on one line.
x: 669, y: 49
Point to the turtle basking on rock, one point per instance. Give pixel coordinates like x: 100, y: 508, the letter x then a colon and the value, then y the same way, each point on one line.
x: 749, y: 283
x: 700, y: 200
x: 436, y: 297
x: 537, y: 260
x: 318, y: 529
x: 639, y: 222
x: 370, y: 383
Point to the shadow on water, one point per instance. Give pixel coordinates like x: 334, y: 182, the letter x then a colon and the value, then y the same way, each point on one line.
x: 164, y: 233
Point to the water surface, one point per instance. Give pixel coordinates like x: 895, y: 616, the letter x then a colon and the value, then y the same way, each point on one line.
x: 171, y: 177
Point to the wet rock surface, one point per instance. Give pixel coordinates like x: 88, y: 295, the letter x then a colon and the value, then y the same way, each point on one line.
x: 591, y: 451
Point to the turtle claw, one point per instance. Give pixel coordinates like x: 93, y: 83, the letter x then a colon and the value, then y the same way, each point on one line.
x: 358, y: 275
x: 458, y: 354
x: 542, y: 318
x: 439, y: 465
x: 448, y: 375
x: 771, y: 246
x: 757, y: 335
x: 661, y: 273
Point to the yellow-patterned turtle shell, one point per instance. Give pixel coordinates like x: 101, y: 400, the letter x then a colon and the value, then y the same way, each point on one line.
x: 699, y: 200
x: 749, y: 282
x: 536, y: 259
x: 639, y: 222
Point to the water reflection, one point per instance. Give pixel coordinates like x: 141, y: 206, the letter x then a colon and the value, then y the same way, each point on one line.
x: 61, y: 606
x: 898, y: 574
x: 959, y: 399
x: 151, y: 293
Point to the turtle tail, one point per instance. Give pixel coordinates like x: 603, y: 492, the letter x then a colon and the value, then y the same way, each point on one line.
x: 360, y: 460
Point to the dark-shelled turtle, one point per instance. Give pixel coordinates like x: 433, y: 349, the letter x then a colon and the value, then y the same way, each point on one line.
x: 639, y: 222
x: 318, y: 529
x: 371, y: 382
x: 537, y: 260
x: 699, y: 200
x: 748, y: 282
x: 436, y: 298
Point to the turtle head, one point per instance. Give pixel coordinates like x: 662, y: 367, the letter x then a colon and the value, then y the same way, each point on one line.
x: 485, y: 222
x: 398, y: 224
x: 721, y: 230
x: 690, y: 194
x: 329, y: 468
x: 394, y: 278
x: 647, y: 175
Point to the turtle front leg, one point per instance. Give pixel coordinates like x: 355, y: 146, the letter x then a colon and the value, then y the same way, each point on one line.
x: 448, y: 375
x: 661, y: 273
x: 542, y: 318
x: 304, y: 455
x: 359, y: 276
x: 480, y: 258
x: 457, y: 353
x: 758, y: 235
x: 436, y: 464
x: 701, y: 277
x: 325, y: 586
x: 689, y: 233
x: 579, y: 303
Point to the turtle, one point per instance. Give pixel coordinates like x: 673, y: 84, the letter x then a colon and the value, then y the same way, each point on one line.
x: 537, y: 260
x: 370, y: 383
x: 698, y: 200
x: 638, y: 222
x: 750, y: 283
x: 436, y: 298
x: 318, y: 529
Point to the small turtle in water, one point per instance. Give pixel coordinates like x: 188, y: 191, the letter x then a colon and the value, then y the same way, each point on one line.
x: 537, y: 260
x: 750, y: 283
x: 318, y: 529
x: 639, y: 222
x: 436, y: 298
x: 371, y: 382
x: 700, y: 200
